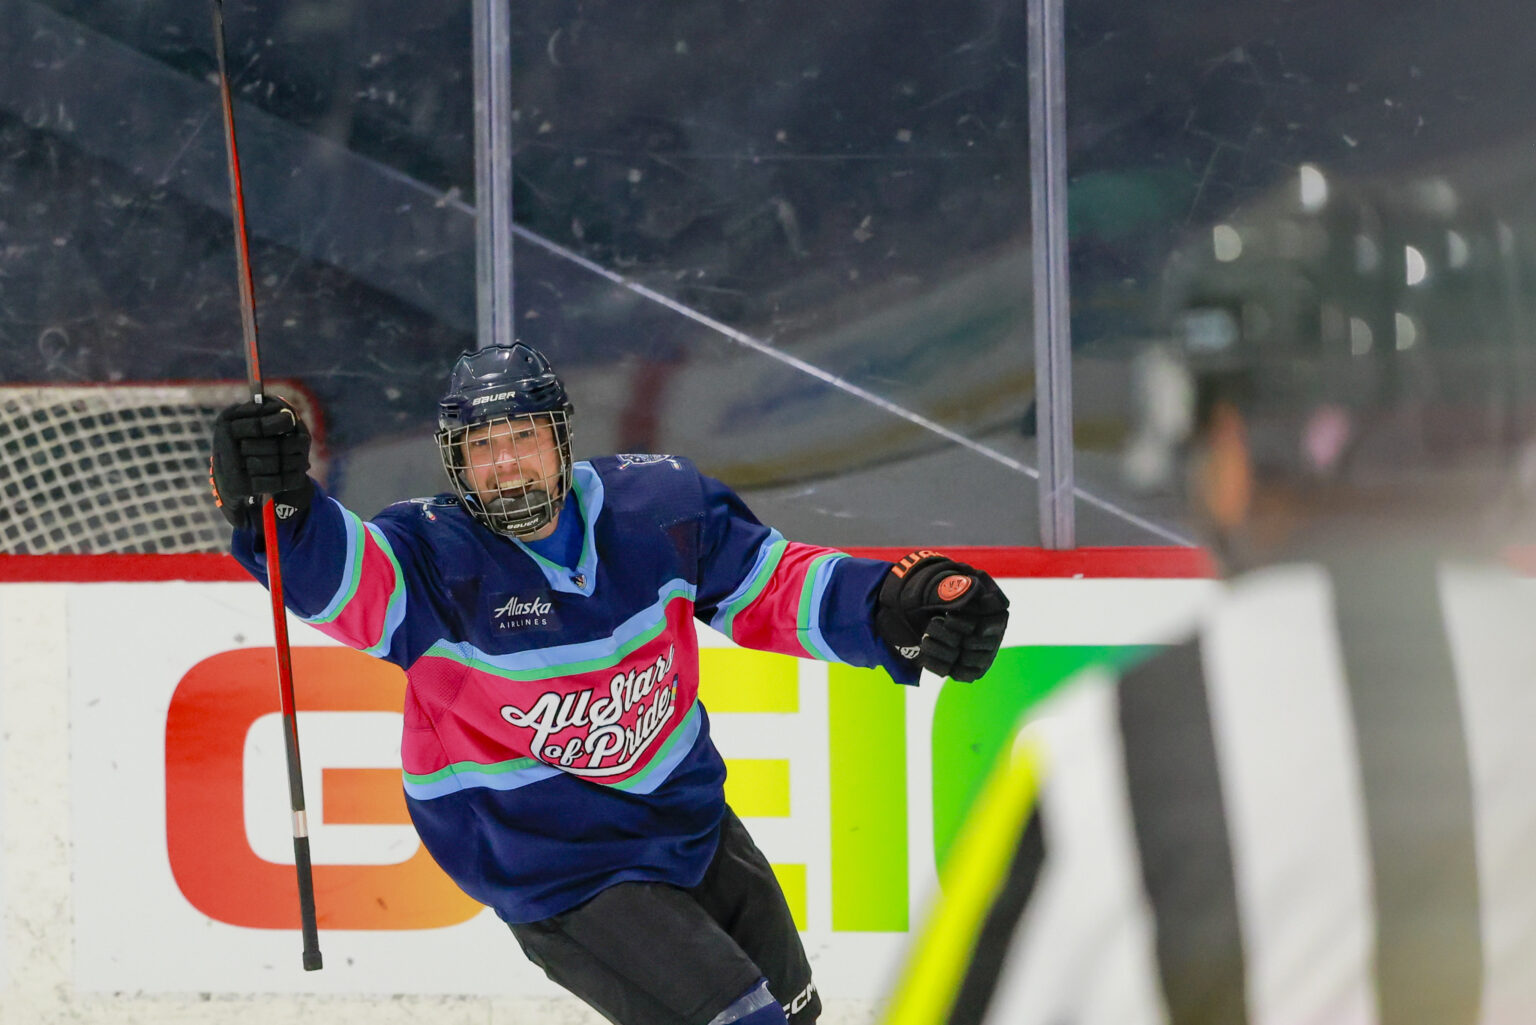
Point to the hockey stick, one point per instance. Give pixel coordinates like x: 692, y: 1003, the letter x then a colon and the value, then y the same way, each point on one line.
x: 269, y: 520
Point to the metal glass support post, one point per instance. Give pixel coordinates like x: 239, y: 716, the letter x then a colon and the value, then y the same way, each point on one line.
x: 492, y: 44
x: 1053, y: 332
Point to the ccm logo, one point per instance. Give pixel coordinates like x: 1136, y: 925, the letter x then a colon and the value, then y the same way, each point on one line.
x: 802, y: 998
x: 211, y: 857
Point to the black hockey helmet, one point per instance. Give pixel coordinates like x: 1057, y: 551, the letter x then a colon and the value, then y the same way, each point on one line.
x: 500, y: 388
x: 500, y: 380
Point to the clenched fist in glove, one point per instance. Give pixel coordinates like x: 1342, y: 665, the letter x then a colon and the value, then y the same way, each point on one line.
x: 259, y: 450
x: 942, y: 613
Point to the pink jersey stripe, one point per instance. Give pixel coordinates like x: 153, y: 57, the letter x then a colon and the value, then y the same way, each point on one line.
x: 603, y: 724
x: 361, y: 621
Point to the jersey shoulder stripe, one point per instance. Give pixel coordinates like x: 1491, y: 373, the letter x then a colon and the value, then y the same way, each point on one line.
x: 370, y: 600
x: 808, y: 620
x: 351, y: 571
x: 784, y: 613
x: 766, y: 561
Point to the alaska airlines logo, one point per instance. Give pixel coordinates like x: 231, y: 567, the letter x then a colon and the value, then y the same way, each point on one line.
x: 595, y: 734
x: 516, y: 613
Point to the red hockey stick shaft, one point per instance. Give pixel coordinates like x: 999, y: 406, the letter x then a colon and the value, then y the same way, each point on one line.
x: 301, y: 860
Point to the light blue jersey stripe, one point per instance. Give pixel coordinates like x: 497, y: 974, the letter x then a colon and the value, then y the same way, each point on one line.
x: 810, y: 632
x: 520, y: 772
x: 751, y: 585
x: 351, y: 567
x: 467, y: 775
x: 394, y: 613
x: 564, y: 659
x: 669, y: 757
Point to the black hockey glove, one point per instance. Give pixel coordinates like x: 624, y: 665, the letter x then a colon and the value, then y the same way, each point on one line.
x: 259, y: 450
x: 944, y: 614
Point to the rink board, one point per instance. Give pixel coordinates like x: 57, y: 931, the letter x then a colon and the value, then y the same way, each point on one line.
x: 178, y: 825
x: 148, y: 857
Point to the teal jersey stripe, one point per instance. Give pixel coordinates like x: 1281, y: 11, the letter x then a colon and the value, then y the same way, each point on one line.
x: 508, y: 775
x: 352, y: 567
x: 510, y: 765
x: 808, y: 628
x: 667, y: 757
x: 570, y: 659
x: 520, y: 772
x: 605, y: 661
x: 768, y: 556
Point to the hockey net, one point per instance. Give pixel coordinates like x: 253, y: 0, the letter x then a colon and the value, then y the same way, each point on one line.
x: 95, y: 469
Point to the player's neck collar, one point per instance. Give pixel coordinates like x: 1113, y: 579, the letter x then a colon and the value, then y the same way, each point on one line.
x: 584, y: 505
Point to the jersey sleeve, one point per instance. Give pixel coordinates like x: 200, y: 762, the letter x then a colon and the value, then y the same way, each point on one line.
x: 349, y: 578
x: 765, y: 592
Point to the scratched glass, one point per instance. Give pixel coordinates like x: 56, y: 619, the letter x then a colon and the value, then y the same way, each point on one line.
x: 1332, y: 180
x: 798, y: 256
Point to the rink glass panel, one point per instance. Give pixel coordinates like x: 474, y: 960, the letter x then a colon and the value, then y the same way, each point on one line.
x: 1327, y: 183
x: 847, y: 188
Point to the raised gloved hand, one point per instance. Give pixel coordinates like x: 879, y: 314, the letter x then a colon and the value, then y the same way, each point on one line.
x: 259, y: 450
x: 943, y: 614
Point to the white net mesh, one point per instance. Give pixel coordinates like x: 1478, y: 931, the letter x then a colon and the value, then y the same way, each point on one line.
x: 93, y: 469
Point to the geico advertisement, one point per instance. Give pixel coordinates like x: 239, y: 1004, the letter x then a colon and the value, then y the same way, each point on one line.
x: 182, y: 845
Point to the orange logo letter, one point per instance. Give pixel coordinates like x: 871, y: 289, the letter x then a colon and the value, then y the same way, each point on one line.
x: 213, y: 708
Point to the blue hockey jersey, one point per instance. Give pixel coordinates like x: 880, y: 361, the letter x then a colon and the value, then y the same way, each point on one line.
x: 553, y: 742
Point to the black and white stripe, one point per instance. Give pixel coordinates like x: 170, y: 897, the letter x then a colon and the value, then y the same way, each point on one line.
x: 1318, y: 810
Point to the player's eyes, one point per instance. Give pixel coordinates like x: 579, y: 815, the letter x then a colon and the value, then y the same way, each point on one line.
x: 519, y: 435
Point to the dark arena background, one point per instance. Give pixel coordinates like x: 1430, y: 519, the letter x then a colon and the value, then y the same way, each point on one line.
x: 806, y: 245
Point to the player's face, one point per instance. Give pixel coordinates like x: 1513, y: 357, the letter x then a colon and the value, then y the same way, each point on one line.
x: 512, y: 457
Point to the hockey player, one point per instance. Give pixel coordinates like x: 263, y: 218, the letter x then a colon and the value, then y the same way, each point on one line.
x: 557, y: 761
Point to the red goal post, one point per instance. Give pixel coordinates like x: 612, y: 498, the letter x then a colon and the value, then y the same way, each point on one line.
x: 90, y: 469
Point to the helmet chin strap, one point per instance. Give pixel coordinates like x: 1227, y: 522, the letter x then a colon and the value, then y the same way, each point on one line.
x: 522, y: 514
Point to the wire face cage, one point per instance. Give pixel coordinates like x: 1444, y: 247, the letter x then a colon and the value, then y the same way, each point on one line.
x: 511, y: 472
